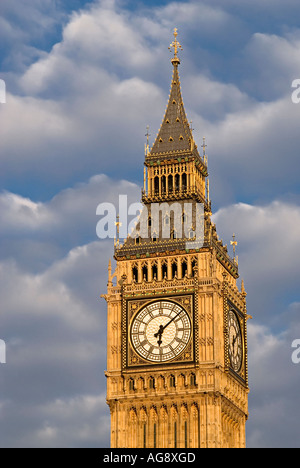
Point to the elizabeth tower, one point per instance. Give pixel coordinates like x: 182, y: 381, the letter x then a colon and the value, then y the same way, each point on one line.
x: 177, y: 371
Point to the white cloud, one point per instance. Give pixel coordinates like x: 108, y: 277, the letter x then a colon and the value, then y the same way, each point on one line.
x: 94, y: 93
x: 37, y: 234
x: 213, y: 100
x: 270, y: 234
x: 268, y: 237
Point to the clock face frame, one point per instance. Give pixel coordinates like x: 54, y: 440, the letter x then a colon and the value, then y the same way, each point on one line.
x: 160, y: 331
x: 235, y: 345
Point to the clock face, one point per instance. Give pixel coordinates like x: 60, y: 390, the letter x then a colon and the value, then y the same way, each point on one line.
x: 160, y: 331
x: 235, y: 342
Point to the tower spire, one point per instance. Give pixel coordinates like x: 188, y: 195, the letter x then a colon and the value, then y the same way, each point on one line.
x: 175, y: 134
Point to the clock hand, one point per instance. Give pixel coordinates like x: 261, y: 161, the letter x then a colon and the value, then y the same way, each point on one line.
x: 234, y: 340
x: 162, y: 328
x: 159, y: 333
x: 171, y: 320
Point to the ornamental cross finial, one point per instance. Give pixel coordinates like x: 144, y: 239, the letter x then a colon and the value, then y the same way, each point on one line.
x: 176, y: 46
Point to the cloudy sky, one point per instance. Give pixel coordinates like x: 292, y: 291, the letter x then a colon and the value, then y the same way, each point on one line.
x: 84, y: 79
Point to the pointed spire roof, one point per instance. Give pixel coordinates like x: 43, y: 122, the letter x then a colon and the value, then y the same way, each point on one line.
x: 175, y: 134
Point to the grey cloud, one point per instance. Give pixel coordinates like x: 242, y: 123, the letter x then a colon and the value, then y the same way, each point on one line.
x: 36, y: 234
x: 55, y: 333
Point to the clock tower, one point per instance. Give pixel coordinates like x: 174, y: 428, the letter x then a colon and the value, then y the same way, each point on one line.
x: 177, y: 373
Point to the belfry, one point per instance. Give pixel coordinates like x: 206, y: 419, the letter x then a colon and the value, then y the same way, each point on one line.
x: 177, y: 370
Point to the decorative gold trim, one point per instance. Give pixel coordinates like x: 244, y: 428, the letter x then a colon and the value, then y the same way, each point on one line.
x: 133, y: 307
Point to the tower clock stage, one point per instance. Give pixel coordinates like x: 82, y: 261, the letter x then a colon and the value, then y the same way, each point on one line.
x: 177, y: 369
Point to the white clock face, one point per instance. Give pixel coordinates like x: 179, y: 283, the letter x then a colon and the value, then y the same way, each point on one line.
x: 235, y: 342
x: 160, y: 331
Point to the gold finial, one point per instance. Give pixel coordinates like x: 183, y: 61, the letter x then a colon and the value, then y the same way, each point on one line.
x: 234, y: 244
x: 118, y: 224
x: 204, y: 146
x: 147, y: 143
x: 176, y: 46
x: 208, y: 190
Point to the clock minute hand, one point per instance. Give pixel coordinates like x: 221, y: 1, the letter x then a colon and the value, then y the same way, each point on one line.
x: 162, y: 328
x: 171, y: 320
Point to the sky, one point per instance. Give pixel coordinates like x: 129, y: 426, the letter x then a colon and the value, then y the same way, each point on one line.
x: 83, y: 81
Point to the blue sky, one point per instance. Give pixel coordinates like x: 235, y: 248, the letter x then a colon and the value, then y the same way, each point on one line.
x: 83, y: 80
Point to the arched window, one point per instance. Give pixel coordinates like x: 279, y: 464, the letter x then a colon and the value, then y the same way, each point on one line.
x: 156, y: 185
x: 154, y: 237
x: 170, y: 183
x: 152, y: 383
x: 135, y: 274
x: 184, y: 269
x: 163, y: 185
x: 164, y: 271
x: 172, y: 381
x: 154, y: 272
x: 131, y: 384
x: 141, y: 384
x: 174, y: 269
x: 192, y: 380
x: 184, y: 182
x: 145, y: 273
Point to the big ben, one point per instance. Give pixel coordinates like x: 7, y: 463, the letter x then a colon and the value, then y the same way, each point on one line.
x: 177, y: 371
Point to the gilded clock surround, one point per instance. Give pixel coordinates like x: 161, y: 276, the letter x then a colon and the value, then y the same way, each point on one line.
x: 196, y: 399
x: 133, y: 359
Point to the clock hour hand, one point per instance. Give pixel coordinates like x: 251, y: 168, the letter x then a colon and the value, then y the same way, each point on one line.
x: 159, y: 334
